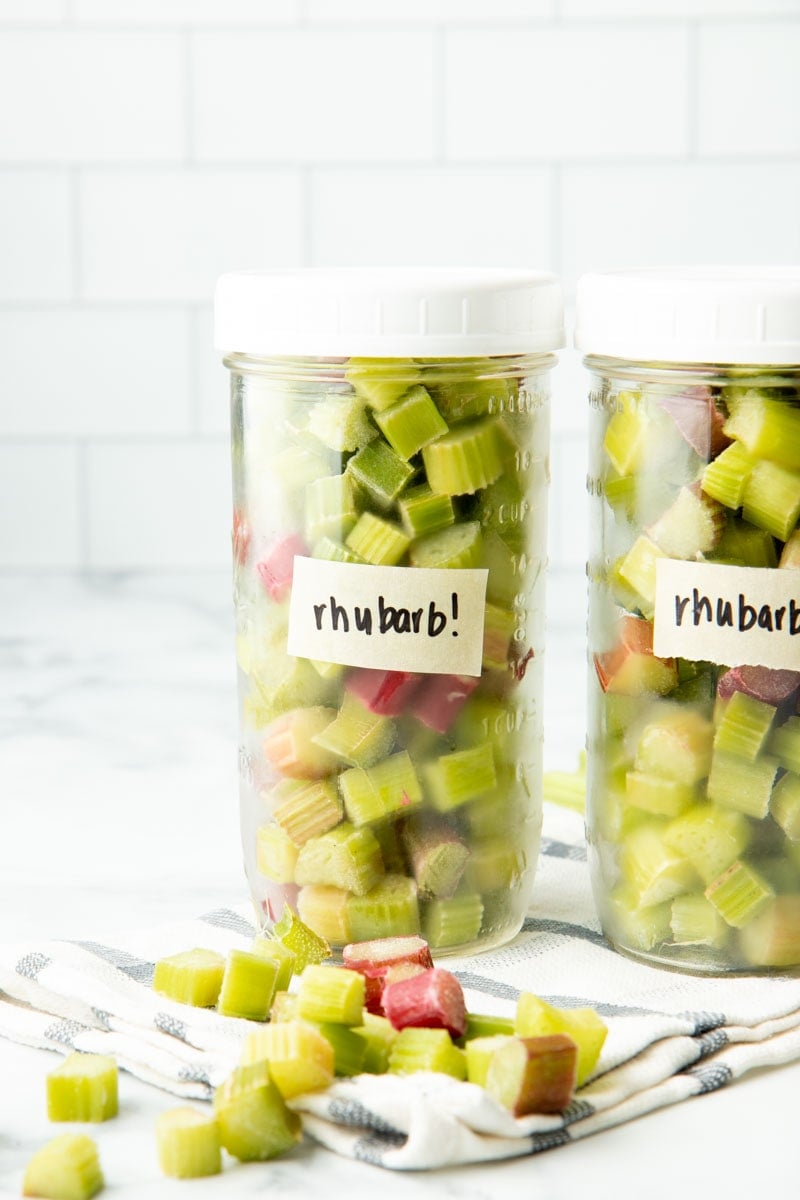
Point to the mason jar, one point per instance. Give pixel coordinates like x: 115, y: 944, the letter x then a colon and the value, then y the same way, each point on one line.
x: 390, y: 473
x: 693, y: 807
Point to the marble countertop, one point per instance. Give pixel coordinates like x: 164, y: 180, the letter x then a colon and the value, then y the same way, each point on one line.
x: 119, y: 810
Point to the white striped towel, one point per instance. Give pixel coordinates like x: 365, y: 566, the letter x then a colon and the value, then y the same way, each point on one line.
x: 671, y: 1036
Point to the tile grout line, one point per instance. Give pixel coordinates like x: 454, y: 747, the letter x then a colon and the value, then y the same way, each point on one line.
x: 76, y: 233
x: 83, y: 504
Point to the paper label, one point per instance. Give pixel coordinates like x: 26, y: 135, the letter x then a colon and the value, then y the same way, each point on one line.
x: 736, y: 616
x: 392, y: 618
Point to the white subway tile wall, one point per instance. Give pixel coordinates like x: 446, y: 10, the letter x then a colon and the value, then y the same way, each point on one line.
x: 152, y: 144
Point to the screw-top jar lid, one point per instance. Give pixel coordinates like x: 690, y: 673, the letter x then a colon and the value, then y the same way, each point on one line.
x: 692, y: 315
x: 388, y: 313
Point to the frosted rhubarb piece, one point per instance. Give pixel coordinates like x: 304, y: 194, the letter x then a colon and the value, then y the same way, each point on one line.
x: 784, y: 805
x: 381, y: 381
x: 691, y: 526
x: 83, y: 1087
x: 379, y: 1035
x: 391, y: 786
x: 637, y: 569
x: 433, y: 999
x: 767, y: 684
x: 533, y: 1075
x: 745, y: 727
x: 254, y: 1121
x: 306, y: 945
x: 281, y: 683
x: 639, y: 927
x: 457, y: 547
x: 697, y: 419
x: 631, y: 668
x: 331, y: 994
x: 465, y: 460
x: 536, y: 1018
x: 411, y: 422
x: 657, y: 795
x: 300, y: 1058
x: 695, y: 921
x: 378, y: 541
x: 453, y: 921
x: 291, y: 748
x: 418, y: 1049
x: 346, y: 857
x: 324, y: 910
x: 499, y: 625
x: 66, y: 1168
x: 495, y: 864
x: 437, y: 857
x: 735, y: 783
x: 248, y: 986
x: 772, y: 498
x: 739, y: 894
x: 676, y: 745
x: 330, y: 508
x: 285, y: 960
x: 275, y: 570
x: 375, y: 957
x: 341, y: 423
x: 356, y: 735
x: 391, y: 909
x: 306, y: 810
x: 454, y: 779
x: 710, y: 838
x: 767, y: 427
x: 188, y: 1143
x: 626, y: 441
x: 785, y: 744
x: 725, y: 478
x: 423, y: 511
x: 387, y: 693
x: 772, y: 938
x: 440, y: 699
x: 653, y: 869
x: 276, y: 853
x: 190, y: 977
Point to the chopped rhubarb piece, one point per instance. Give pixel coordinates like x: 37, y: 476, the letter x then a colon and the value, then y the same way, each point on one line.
x: 631, y: 669
x: 533, y: 1074
x: 439, y: 700
x: 771, y: 685
x: 290, y: 747
x: 403, y: 970
x: 434, y: 999
x: 698, y: 420
x: 276, y: 569
x: 240, y: 537
x: 374, y: 959
x: 383, y: 692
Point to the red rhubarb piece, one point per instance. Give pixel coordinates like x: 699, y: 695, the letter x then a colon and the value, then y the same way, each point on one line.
x: 772, y: 685
x: 434, y: 999
x: 439, y: 700
x: 276, y: 568
x: 373, y: 959
x: 698, y: 420
x: 385, y: 693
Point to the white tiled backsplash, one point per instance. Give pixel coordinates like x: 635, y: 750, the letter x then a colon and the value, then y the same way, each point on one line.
x: 149, y: 145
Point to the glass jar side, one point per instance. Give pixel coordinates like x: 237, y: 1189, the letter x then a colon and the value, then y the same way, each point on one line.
x: 379, y: 801
x: 694, y: 489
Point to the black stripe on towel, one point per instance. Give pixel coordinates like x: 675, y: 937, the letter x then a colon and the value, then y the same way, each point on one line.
x: 711, y: 1077
x: 226, y: 918
x: 565, y: 929
x: 554, y: 849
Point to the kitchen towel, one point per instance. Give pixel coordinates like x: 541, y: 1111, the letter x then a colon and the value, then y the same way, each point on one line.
x: 671, y: 1036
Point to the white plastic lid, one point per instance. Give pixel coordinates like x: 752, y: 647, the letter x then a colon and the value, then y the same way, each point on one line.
x: 692, y: 315
x: 388, y: 313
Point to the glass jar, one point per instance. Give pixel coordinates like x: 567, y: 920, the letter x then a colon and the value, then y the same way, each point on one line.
x: 390, y: 471
x: 693, y: 748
